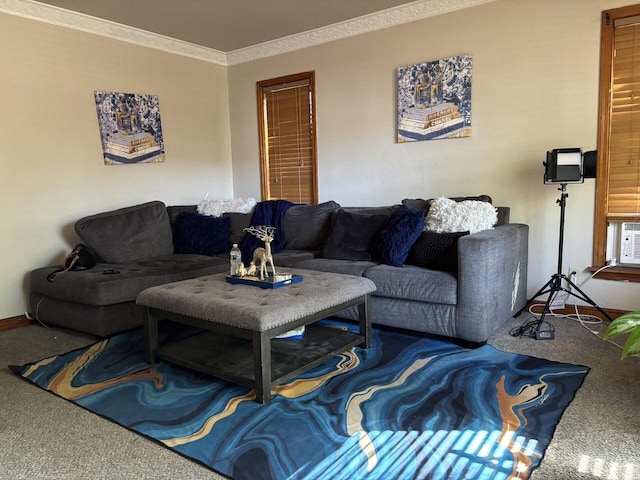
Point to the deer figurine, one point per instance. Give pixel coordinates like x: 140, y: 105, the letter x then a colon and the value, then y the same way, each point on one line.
x: 262, y: 256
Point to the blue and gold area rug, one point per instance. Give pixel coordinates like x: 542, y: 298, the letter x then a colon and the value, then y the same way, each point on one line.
x: 409, y: 408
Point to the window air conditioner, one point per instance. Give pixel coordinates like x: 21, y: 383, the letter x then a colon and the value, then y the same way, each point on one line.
x: 630, y: 243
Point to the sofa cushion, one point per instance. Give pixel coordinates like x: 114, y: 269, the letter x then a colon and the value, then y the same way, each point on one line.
x: 348, y: 267
x: 399, y: 234
x: 201, y: 234
x: 306, y: 227
x: 353, y: 235
x: 437, y: 251
x: 446, y: 215
x: 417, y: 203
x: 174, y: 210
x: 92, y: 287
x: 128, y: 234
x: 288, y: 258
x: 239, y: 221
x: 414, y: 283
x: 503, y: 215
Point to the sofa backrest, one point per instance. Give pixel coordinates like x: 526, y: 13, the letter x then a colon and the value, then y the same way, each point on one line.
x: 239, y: 221
x: 174, y: 210
x: 128, y: 234
x: 387, y: 210
x: 306, y: 227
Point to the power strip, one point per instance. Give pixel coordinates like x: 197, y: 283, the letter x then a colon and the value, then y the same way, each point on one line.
x: 557, y: 304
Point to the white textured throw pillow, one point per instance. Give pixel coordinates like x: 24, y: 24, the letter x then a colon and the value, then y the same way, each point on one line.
x: 448, y: 216
x: 215, y: 208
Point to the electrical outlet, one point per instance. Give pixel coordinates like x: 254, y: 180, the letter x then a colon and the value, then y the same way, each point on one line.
x: 574, y: 275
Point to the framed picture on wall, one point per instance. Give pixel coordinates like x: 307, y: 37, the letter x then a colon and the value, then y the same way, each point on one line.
x: 130, y: 128
x: 434, y: 99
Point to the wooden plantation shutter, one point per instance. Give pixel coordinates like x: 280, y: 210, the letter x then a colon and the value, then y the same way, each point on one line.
x: 618, y: 178
x: 624, y: 144
x: 287, y: 138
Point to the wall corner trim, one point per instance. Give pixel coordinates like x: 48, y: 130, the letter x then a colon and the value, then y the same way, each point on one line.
x: 390, y: 17
x: 97, y: 26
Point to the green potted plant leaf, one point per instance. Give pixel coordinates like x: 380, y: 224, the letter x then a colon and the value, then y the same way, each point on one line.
x: 627, y: 323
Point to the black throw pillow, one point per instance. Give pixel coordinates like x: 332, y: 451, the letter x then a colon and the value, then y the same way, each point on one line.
x: 436, y: 251
x: 352, y: 235
x: 201, y: 234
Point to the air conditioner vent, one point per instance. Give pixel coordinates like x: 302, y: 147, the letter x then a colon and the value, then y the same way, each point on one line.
x: 630, y: 243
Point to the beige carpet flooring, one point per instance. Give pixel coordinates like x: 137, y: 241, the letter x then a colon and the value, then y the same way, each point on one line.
x: 43, y: 436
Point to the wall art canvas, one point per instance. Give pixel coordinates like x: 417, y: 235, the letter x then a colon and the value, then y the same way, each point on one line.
x: 434, y: 99
x: 130, y: 128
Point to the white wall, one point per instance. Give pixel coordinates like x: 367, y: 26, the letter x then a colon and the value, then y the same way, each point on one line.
x: 535, y: 87
x: 51, y: 167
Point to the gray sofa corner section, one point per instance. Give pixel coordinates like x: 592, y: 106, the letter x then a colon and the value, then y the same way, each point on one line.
x: 492, y: 279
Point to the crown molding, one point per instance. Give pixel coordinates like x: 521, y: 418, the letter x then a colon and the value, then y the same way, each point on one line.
x: 97, y: 26
x: 391, y: 17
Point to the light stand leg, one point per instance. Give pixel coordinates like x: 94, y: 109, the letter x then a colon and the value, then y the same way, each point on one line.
x: 585, y: 298
x: 554, y: 285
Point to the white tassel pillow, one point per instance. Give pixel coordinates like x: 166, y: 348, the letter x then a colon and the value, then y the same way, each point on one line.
x: 448, y: 216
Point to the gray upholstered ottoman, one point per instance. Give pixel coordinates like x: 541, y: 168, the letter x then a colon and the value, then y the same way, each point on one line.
x: 240, y: 322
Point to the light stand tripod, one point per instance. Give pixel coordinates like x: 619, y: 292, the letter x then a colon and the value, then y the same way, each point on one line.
x: 554, y: 285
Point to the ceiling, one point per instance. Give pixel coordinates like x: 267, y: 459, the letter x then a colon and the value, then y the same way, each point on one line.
x: 226, y: 25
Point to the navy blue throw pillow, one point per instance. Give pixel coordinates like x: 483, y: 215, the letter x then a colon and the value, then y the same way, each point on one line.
x: 201, y: 234
x: 399, y: 234
x: 436, y: 251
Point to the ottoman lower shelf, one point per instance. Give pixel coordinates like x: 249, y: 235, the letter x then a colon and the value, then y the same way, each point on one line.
x: 231, y: 358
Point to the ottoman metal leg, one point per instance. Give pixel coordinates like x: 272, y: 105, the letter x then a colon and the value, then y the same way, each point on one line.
x: 262, y: 366
x: 150, y: 336
x: 365, y: 323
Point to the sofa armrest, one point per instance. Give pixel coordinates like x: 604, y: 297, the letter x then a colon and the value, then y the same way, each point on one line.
x: 492, y: 279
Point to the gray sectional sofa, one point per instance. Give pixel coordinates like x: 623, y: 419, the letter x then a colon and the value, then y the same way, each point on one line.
x: 482, y: 283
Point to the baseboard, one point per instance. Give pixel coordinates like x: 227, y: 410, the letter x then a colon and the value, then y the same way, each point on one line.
x: 14, y: 322
x: 582, y: 310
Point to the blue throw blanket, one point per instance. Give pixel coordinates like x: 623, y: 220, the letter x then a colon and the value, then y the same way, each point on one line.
x: 269, y: 212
